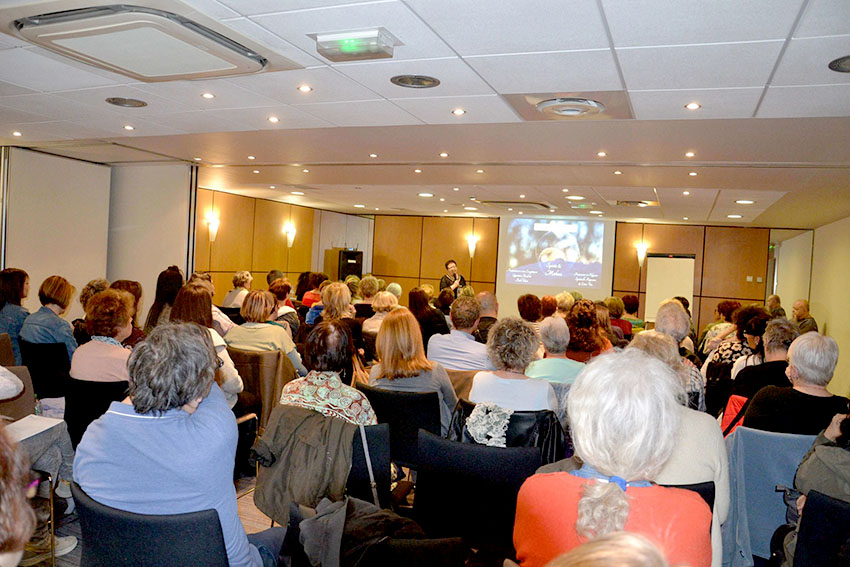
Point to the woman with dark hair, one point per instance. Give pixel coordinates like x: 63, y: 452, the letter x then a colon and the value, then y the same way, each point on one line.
x: 548, y: 305
x: 530, y: 308
x: 302, y: 286
x: 715, y: 332
x: 14, y: 288
x: 586, y: 340
x: 431, y: 322
x: 753, y: 333
x: 315, y: 294
x: 135, y: 289
x: 734, y: 348
x: 168, y: 284
x: 329, y: 354
x: 631, y: 306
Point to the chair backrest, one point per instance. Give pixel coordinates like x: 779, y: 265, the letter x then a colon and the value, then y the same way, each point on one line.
x: 115, y: 538
x: 233, y: 314
x: 406, y: 412
x: 23, y: 404
x: 49, y: 367
x: 358, y: 485
x: 704, y: 489
x: 263, y: 374
x: 469, y: 490
x: 824, y: 529
x: 86, y: 400
x: 7, y: 355
x: 718, y: 386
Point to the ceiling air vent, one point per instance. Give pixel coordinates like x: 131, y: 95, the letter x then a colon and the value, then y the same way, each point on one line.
x: 570, y: 106
x: 637, y: 203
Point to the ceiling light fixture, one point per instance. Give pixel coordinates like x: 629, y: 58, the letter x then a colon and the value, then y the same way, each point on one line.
x: 693, y: 106
x: 745, y: 202
x: 358, y: 206
x: 575, y: 198
x: 256, y: 171
x: 510, y: 209
x: 426, y: 194
x: 444, y: 154
x: 684, y: 218
x: 601, y: 154
x: 479, y: 171
x: 299, y: 193
x: 565, y: 190
x: 520, y: 212
x: 596, y: 212
x: 373, y: 155
x: 415, y: 81
x: 305, y: 88
x: 442, y: 199
x: 274, y: 119
x: 455, y: 188
x: 686, y: 193
x: 689, y: 154
x: 458, y: 111
x: 128, y: 127
x: 208, y: 96
x: 272, y: 187
x: 470, y: 208
x: 522, y: 196
x: 375, y: 43
x: 377, y: 209
x: 445, y: 210
x: 252, y: 157
x: 551, y: 210
x: 126, y: 102
x: 305, y: 171
x: 17, y: 134
x: 840, y: 65
x: 196, y: 159
x: 417, y: 171
x: 692, y: 173
x: 734, y: 216
x: 618, y: 172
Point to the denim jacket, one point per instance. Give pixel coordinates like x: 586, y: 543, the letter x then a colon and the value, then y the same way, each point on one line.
x: 45, y: 326
x: 11, y: 320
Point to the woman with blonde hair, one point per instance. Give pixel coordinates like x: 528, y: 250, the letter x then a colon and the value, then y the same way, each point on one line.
x: 623, y: 413
x: 336, y: 298
x: 46, y: 325
x: 384, y: 303
x: 618, y: 549
x: 403, y: 366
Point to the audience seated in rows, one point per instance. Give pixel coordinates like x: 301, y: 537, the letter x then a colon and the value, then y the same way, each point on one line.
x: 713, y: 333
x: 753, y: 330
x: 280, y: 289
x: 631, y: 306
x: 458, y: 350
x: 672, y: 320
x: 555, y: 366
x: 134, y: 288
x: 14, y: 288
x: 443, y: 303
x: 777, y: 338
x: 242, y: 281
x: 168, y: 283
x: 489, y: 314
x: 586, y: 338
x: 404, y: 367
x: 336, y: 298
x: 313, y: 294
x: 302, y: 285
x: 530, y: 310
x: 548, y: 306
x: 613, y: 334
x: 804, y: 319
x: 79, y: 325
x: 616, y: 309
x: 368, y: 290
x: 395, y: 289
x: 221, y: 322
x: 565, y: 301
x: 774, y: 306
x: 314, y: 313
x: 383, y: 303
x: 431, y: 321
x: 46, y: 325
x: 734, y: 347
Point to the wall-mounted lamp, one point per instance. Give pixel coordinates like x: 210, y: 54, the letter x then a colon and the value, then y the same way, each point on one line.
x: 289, y: 231
x: 641, y: 247
x: 472, y: 241
x: 213, y: 222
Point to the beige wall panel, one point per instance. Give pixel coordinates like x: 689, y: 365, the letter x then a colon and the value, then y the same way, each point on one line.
x: 483, y: 286
x: 406, y: 285
x: 675, y: 239
x: 397, y: 248
x: 486, y: 253
x: 444, y: 238
x: 708, y: 304
x: 231, y: 250
x: 270, y: 250
x: 732, y: 255
x: 223, y: 282
x: 259, y: 280
x: 626, y: 268
x: 301, y: 253
x: 202, y: 233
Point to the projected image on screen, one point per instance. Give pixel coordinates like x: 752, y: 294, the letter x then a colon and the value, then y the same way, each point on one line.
x: 561, y: 253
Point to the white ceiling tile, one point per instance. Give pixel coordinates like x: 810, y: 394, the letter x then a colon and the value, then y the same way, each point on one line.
x: 806, y: 61
x: 479, y: 27
x: 716, y: 103
x: 9, y: 41
x: 479, y: 109
x: 56, y: 130
x: 227, y: 94
x: 456, y: 77
x: 254, y: 7
x: 362, y: 113
x: 258, y: 118
x: 97, y: 98
x: 677, y: 22
x: 10, y: 115
x: 418, y: 39
x: 328, y: 86
x: 699, y: 66
x: 614, y: 194
x: 212, y: 8
x: 260, y: 34
x: 113, y: 126
x: 58, y: 108
x: 198, y: 122
x: 29, y: 68
x: 789, y: 102
x: 8, y: 89
x: 825, y: 17
x: 549, y: 72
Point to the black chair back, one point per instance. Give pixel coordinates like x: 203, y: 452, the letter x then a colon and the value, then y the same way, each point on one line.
x: 358, y: 485
x: 470, y: 490
x: 86, y: 400
x: 115, y: 538
x: 824, y: 531
x: 406, y: 412
x: 718, y: 387
x: 234, y: 314
x: 704, y: 489
x: 49, y: 367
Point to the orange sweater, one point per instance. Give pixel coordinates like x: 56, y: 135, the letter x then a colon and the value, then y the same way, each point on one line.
x: 677, y: 521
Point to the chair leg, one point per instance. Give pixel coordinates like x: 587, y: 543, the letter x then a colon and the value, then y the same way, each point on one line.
x: 52, y: 525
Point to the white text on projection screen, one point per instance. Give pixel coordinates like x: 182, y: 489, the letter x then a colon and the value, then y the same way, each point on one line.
x: 560, y: 253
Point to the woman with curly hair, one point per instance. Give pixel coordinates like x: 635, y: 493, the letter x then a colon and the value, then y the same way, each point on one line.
x: 586, y: 340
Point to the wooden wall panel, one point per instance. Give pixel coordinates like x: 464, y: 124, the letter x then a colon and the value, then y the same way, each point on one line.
x: 732, y: 255
x: 301, y: 253
x: 676, y: 239
x: 444, y: 238
x: 483, y: 286
x: 487, y: 252
x: 270, y: 250
x: 202, y: 234
x: 397, y: 246
x: 232, y: 248
x: 406, y: 285
x: 626, y: 268
x: 223, y: 282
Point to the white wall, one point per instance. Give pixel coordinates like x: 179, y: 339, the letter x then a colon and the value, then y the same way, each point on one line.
x: 58, y: 215
x: 335, y: 230
x: 148, y: 224
x: 794, y: 269
x: 830, y: 274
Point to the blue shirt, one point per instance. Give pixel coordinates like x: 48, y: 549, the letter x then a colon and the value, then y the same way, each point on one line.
x: 45, y: 326
x: 459, y: 351
x: 558, y: 370
x: 11, y: 320
x: 168, y: 464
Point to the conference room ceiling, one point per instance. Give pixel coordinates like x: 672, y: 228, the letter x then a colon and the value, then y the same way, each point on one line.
x: 773, y: 127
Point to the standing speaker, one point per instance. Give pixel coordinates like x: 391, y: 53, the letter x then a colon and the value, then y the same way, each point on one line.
x: 350, y: 262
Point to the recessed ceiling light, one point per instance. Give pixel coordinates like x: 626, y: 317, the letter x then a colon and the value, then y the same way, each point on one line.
x: 128, y: 127
x: 373, y: 155
x: 455, y: 188
x: 618, y: 172
x: 17, y: 134
x: 479, y: 171
x: 470, y: 208
x: 126, y: 102
x: 745, y: 202
x: 693, y: 106
x: 415, y: 81
x: 377, y: 209
x: 274, y: 119
x: 686, y: 192
x: 684, y: 218
x: 444, y: 154
x: 442, y: 199
x: 565, y: 190
x: 417, y: 171
x: 596, y: 212
x: 445, y: 210
x: 601, y: 154
x: 208, y: 96
x: 551, y: 210
x: 520, y: 212
x: 458, y: 111
x: 251, y: 157
x: 472, y: 198
x: 575, y: 198
x: 218, y: 165
x: 360, y: 206
x: 196, y: 159
x: 510, y: 209
x: 305, y: 171
x: 522, y: 196
x: 841, y: 65
x: 426, y: 194
x: 272, y: 186
x: 692, y: 173
x: 256, y: 171
x: 734, y: 216
x: 305, y: 88
x: 298, y: 192
x: 689, y: 154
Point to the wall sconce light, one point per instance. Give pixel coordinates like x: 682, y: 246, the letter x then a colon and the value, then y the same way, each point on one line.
x: 641, y: 247
x: 213, y: 223
x: 289, y: 231
x: 472, y: 241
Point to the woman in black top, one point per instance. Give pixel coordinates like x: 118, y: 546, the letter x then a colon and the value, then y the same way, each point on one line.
x: 431, y: 321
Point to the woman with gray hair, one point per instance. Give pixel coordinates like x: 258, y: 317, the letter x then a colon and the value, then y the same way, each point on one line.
x: 806, y: 407
x: 623, y: 413
x: 511, y: 345
x: 672, y: 320
x: 241, y: 286
x: 555, y: 366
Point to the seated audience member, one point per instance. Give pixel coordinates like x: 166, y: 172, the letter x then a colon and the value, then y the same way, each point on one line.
x: 429, y: 291
x: 368, y: 288
x: 466, y: 291
x: 91, y: 288
x: 692, y: 332
x: 329, y: 353
x: 395, y: 289
x: 46, y: 325
x: 804, y: 319
x: 257, y: 334
x: 774, y: 307
x: 134, y: 288
x: 699, y: 453
x: 548, y: 305
x: 431, y: 321
x: 168, y: 283
x: 353, y: 284
x: 143, y: 455
x: 314, y: 314
x: 403, y: 366
x: 612, y: 334
x: 384, y: 303
x: 617, y: 549
x: 458, y: 350
x: 512, y: 345
x: 806, y: 407
x: 616, y: 309
x: 272, y: 276
x: 314, y: 294
x: 531, y: 310
x: 624, y: 414
x: 302, y: 286
x: 280, y: 289
x: 715, y: 332
x: 672, y: 320
x: 631, y: 306
x: 336, y: 297
x: 242, y: 281
x: 489, y: 314
x: 565, y: 301
x: 443, y: 304
x: 733, y: 348
x: 221, y: 322
x: 555, y: 366
x: 14, y: 288
x: 826, y: 469
x: 586, y: 339
x: 753, y: 330
x: 194, y: 305
x: 777, y: 338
